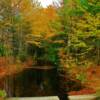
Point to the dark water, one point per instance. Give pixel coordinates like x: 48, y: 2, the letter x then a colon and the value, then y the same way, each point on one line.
x: 33, y: 82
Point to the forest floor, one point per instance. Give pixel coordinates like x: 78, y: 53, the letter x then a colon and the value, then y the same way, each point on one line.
x: 93, y: 77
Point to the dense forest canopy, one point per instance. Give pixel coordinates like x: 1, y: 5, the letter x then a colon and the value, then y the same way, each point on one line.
x: 72, y: 28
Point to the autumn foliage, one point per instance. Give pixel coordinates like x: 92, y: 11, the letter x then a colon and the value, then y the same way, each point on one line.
x: 65, y: 37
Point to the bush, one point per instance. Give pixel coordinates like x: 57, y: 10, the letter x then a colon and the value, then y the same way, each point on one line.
x: 2, y: 93
x: 2, y: 50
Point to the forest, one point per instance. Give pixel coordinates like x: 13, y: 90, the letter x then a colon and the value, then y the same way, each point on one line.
x: 36, y: 43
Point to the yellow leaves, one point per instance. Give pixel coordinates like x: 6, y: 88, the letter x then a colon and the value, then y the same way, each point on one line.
x: 51, y: 13
x: 26, y: 6
x: 50, y: 35
x: 41, y: 22
x: 34, y: 42
x: 59, y: 42
x: 87, y: 25
x: 39, y: 18
x: 33, y: 39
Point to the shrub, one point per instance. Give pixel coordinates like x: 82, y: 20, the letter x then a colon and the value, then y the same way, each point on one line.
x: 2, y: 93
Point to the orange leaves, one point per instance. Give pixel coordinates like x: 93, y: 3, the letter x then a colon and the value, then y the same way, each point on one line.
x: 3, y: 61
x: 7, y: 68
x: 39, y: 18
x: 2, y: 72
x: 41, y: 23
x: 26, y: 7
x: 51, y: 13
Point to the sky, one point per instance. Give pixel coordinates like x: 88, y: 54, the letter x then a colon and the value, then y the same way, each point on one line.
x: 45, y: 3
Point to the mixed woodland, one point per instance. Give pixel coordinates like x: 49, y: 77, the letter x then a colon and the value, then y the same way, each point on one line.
x: 65, y: 36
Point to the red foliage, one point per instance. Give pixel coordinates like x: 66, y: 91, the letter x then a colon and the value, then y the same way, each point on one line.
x: 3, y: 61
x: 93, y: 77
x: 2, y: 72
x: 6, y: 68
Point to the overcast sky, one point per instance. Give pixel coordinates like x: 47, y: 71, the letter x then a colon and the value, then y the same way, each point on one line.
x: 45, y: 3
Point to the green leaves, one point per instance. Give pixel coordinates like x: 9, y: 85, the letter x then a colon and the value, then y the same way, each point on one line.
x: 80, y: 24
x: 65, y: 2
x: 2, y: 93
x: 90, y: 7
x: 3, y: 50
x: 97, y: 43
x: 81, y: 77
x: 84, y: 3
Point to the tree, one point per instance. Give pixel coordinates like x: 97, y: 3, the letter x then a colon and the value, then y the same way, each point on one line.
x: 13, y: 27
x: 78, y: 25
